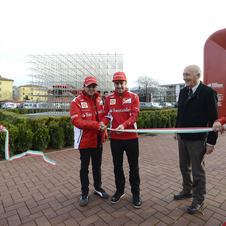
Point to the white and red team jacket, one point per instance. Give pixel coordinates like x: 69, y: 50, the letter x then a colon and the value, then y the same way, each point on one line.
x: 122, y: 109
x: 83, y: 117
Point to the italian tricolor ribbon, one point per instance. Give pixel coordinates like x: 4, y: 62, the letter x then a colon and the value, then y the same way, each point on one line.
x: 168, y: 130
x: 29, y: 152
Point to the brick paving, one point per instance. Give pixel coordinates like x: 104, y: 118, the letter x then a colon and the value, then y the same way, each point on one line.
x: 35, y: 193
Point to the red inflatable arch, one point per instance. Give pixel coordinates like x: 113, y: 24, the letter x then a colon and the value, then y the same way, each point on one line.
x: 215, y: 66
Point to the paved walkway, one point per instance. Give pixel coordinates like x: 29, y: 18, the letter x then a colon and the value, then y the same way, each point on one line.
x: 35, y: 193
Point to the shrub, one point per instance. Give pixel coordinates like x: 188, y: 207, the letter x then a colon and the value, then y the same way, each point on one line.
x: 157, y: 119
x: 23, y: 111
x: 140, y: 122
x: 154, y: 121
x: 41, y: 138
x: 162, y: 121
x: 56, y: 135
x: 38, y: 121
x: 23, y: 139
x: 14, y: 110
x: 13, y: 133
x: 173, y: 118
x: 68, y: 133
x: 57, y: 131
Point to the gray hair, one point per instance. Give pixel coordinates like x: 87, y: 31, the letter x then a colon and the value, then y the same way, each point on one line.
x: 197, y: 70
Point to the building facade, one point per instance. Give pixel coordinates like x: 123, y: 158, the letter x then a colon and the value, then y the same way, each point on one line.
x: 168, y: 91
x: 6, y: 89
x: 33, y: 93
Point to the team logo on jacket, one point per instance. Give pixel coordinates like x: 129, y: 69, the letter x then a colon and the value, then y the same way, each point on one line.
x: 126, y: 101
x: 100, y: 102
x: 112, y: 101
x: 84, y: 105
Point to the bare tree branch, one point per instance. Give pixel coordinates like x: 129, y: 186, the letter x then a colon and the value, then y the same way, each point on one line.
x: 146, y: 85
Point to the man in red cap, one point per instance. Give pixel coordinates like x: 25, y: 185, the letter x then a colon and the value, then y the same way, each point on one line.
x: 122, y: 109
x: 86, y: 112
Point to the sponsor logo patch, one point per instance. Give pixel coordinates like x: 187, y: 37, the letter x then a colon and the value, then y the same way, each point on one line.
x: 88, y: 114
x: 84, y: 105
x: 112, y: 101
x: 126, y: 101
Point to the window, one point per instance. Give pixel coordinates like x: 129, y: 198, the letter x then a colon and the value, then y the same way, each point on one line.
x: 0, y: 89
x: 0, y: 83
x: 23, y: 93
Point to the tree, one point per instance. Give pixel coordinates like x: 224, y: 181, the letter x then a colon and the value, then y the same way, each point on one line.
x: 146, y: 85
x: 16, y: 94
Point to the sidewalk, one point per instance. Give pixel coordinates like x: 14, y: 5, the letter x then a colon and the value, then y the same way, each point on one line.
x: 35, y: 193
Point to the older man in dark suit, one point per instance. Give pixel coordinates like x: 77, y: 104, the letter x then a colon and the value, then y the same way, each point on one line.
x: 197, y: 107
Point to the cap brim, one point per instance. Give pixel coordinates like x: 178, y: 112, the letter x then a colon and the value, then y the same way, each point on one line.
x: 118, y: 80
x: 91, y: 84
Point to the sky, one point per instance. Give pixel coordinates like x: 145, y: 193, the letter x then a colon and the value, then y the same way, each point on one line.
x: 158, y: 38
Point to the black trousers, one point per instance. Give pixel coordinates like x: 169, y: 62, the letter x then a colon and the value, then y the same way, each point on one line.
x: 131, y: 148
x: 96, y: 156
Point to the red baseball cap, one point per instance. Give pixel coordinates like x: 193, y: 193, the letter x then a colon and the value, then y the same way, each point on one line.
x: 119, y: 76
x: 90, y: 80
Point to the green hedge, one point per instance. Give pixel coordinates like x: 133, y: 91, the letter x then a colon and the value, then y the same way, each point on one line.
x: 41, y: 138
x: 34, y: 134
x: 157, y: 119
x: 57, y: 131
x: 56, y: 135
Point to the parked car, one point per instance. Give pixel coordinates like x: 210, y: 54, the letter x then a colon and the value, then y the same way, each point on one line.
x: 8, y: 105
x: 156, y: 105
x: 167, y: 105
x: 175, y: 104
x: 29, y: 105
x: 145, y: 105
x: 150, y: 105
x: 44, y: 105
x: 20, y: 105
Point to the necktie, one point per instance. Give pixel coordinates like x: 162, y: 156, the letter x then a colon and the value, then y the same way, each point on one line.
x: 190, y: 92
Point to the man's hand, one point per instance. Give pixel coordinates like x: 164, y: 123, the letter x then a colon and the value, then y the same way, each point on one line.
x: 223, y: 128
x: 120, y: 127
x: 1, y: 127
x: 209, y: 149
x: 102, y: 126
x: 175, y: 137
x: 217, y: 127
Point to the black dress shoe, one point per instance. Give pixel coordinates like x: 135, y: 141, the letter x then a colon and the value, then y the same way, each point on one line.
x: 182, y: 195
x: 117, y: 196
x: 194, y: 208
x: 137, y: 201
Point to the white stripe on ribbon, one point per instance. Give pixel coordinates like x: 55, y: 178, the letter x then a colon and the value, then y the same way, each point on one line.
x: 168, y: 130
